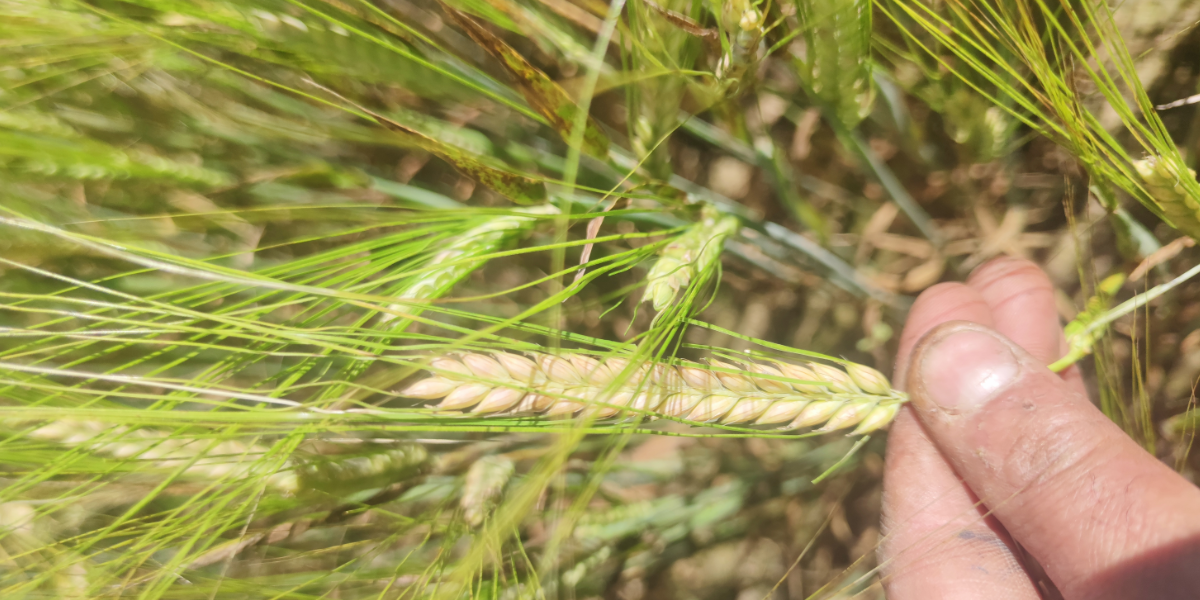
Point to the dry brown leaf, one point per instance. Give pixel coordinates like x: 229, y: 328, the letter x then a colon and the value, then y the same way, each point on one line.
x: 542, y: 93
x: 593, y: 229
x: 515, y: 187
x: 998, y: 238
x: 575, y: 14
x: 806, y: 125
x: 711, y: 36
x: 960, y: 247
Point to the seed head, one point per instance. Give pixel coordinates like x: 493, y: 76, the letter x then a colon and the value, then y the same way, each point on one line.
x: 584, y: 364
x: 453, y: 369
x: 700, y: 379
x: 499, y: 399
x: 518, y: 367
x: 802, y: 373
x: 733, y: 381
x: 748, y: 409
x: 454, y: 262
x: 781, y: 412
x: 773, y: 386
x: 573, y: 383
x: 712, y: 407
x: 484, y: 367
x: 751, y: 20
x: 1164, y: 180
x: 558, y: 369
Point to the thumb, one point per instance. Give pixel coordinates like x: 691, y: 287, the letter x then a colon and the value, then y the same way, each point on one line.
x: 1103, y: 517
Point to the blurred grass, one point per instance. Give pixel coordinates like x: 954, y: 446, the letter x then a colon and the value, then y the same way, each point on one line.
x: 232, y: 230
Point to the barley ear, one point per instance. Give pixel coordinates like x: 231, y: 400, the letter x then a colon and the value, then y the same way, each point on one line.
x: 226, y: 460
x: 358, y: 471
x: 567, y: 384
x: 837, y: 65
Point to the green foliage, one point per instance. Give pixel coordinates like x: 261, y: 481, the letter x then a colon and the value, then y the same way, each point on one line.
x: 234, y: 231
x: 1023, y: 57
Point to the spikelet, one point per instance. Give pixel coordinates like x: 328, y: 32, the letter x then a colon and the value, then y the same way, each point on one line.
x: 1165, y: 183
x: 780, y: 394
x: 694, y: 252
x: 485, y: 480
x: 456, y: 254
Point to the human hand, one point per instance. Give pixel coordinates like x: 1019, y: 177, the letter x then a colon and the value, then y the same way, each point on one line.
x: 996, y: 453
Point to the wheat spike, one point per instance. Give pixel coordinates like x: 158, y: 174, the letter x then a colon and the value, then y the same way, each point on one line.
x: 791, y: 395
x: 1164, y: 182
x: 696, y: 251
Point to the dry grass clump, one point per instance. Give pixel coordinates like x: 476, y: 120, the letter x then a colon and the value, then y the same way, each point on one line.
x: 797, y: 396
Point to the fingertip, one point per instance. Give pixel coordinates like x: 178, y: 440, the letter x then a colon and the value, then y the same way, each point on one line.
x: 939, y: 304
x: 1021, y: 299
